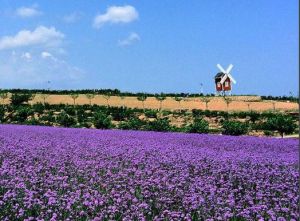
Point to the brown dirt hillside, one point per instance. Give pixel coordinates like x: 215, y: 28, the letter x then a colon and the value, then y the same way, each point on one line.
x: 236, y: 103
x: 216, y: 103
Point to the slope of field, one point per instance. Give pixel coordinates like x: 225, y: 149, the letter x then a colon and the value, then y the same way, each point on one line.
x: 55, y: 173
x: 237, y: 103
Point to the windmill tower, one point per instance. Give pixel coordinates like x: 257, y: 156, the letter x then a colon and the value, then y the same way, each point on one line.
x: 224, y: 80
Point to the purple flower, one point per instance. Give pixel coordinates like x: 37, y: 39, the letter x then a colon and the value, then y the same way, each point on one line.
x: 63, y: 174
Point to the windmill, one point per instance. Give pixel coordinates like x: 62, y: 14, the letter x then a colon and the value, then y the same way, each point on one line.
x: 223, y: 80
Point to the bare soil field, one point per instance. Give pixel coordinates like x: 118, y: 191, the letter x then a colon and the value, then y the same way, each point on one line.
x: 236, y: 103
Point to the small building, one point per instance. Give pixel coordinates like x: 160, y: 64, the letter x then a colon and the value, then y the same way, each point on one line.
x: 226, y: 85
x: 224, y: 80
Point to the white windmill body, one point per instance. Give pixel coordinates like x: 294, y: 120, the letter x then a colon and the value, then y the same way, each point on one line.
x: 224, y: 80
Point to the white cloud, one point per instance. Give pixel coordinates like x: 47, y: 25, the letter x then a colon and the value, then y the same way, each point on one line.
x: 27, y: 12
x: 46, y: 54
x: 17, y: 72
x: 132, y: 38
x: 26, y: 56
x: 40, y: 36
x: 71, y: 18
x: 115, y: 15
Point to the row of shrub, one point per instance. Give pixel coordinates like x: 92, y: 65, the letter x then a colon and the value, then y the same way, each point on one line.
x: 122, y: 113
x: 127, y: 118
x: 19, y: 99
x: 253, y: 115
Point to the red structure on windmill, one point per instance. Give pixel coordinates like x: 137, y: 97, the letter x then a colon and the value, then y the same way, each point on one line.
x: 224, y: 80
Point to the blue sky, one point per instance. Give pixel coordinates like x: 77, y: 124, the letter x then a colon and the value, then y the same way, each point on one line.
x: 151, y: 46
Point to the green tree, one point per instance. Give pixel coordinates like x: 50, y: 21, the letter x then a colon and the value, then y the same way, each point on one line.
x: 90, y: 97
x: 142, y: 97
x: 106, y: 97
x: 227, y: 101
x: 161, y: 97
x: 206, y: 100
x: 74, y: 97
x: 281, y: 123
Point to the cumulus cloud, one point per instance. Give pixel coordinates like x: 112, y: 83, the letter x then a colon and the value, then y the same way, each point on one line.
x: 24, y: 69
x: 40, y: 36
x: 116, y: 15
x: 27, y: 12
x: 132, y: 38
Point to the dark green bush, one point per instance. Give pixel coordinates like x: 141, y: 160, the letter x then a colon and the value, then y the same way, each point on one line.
x: 33, y: 121
x: 47, y: 117
x: 166, y: 112
x: 282, y: 123
x: 214, y: 131
x: 22, y: 113
x: 199, y: 126
x: 86, y: 124
x: 81, y: 115
x: 198, y: 113
x: 268, y: 114
x: 234, y: 128
x: 65, y: 120
x: 70, y: 110
x: 2, y: 113
x: 258, y: 126
x: 133, y: 123
x: 240, y: 114
x: 209, y: 113
x: 38, y: 107
x: 159, y: 125
x: 47, y: 106
x: 150, y: 113
x: 268, y: 133
x: 120, y: 113
x: 254, y: 116
x: 18, y: 99
x: 102, y: 121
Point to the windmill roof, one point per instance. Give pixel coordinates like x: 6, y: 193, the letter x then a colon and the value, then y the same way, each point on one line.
x: 220, y: 74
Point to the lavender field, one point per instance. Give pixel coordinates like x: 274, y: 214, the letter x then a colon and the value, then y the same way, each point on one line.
x: 80, y: 174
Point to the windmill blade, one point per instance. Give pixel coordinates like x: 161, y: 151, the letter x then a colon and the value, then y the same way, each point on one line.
x: 229, y: 68
x: 231, y: 78
x: 223, y: 79
x: 221, y: 68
